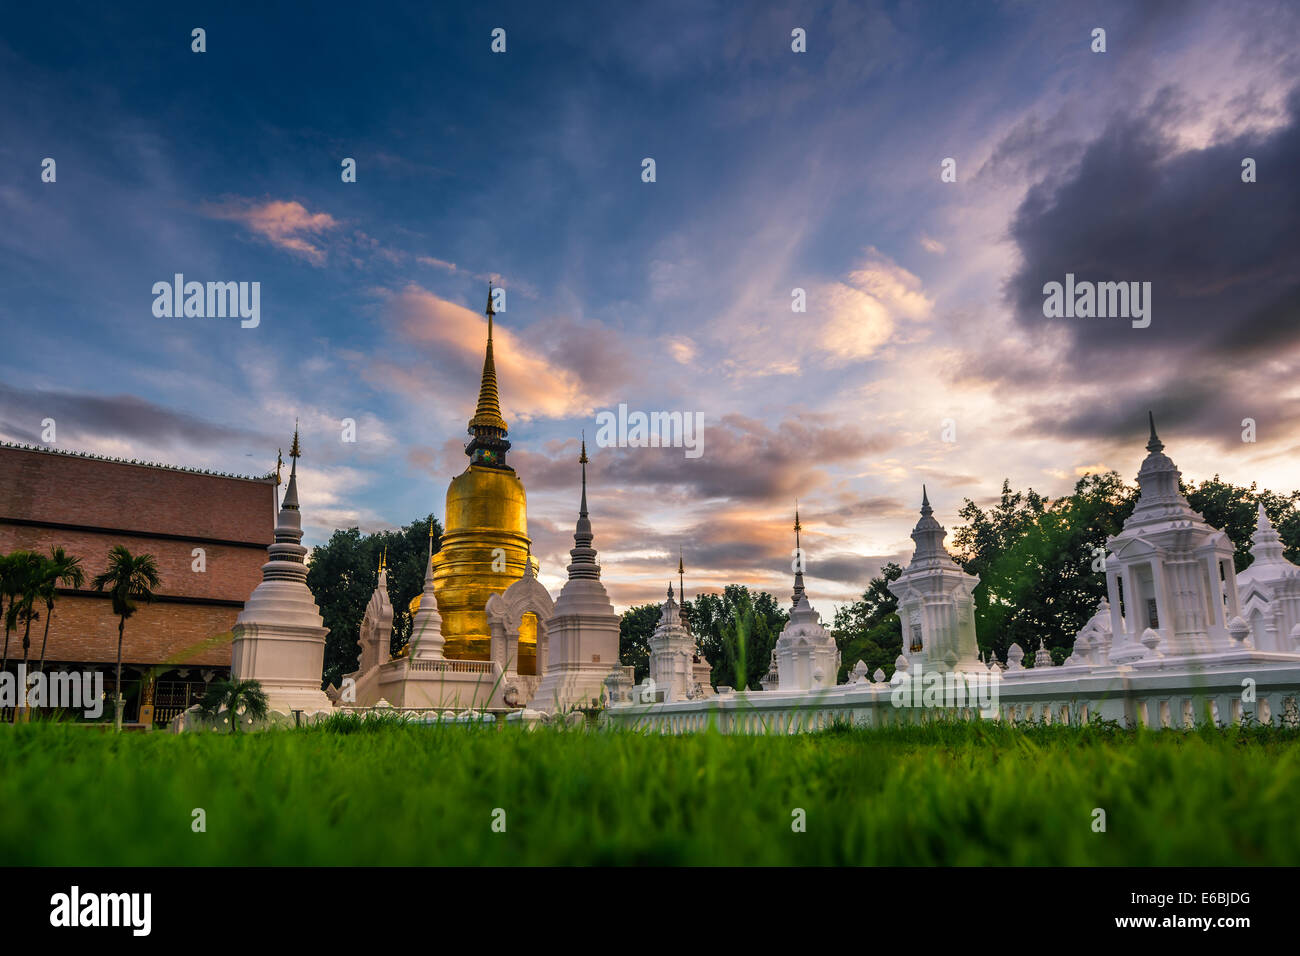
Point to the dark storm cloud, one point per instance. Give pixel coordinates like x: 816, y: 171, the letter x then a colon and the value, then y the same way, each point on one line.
x: 1221, y: 255
x: 80, y: 417
x: 1223, y: 260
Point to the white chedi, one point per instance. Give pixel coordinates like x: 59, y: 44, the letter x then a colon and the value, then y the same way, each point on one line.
x: 935, y: 602
x: 806, y: 655
x: 279, y: 637
x: 672, y: 654
x: 1169, y: 572
x: 1269, y: 590
x: 582, y: 633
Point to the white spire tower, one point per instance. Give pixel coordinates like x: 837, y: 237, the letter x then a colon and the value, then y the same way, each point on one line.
x: 583, y: 629
x: 279, y: 638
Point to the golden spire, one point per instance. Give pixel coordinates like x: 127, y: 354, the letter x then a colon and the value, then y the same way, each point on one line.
x: 279, y: 463
x: 488, y: 412
x: 383, y: 560
x: 295, y: 450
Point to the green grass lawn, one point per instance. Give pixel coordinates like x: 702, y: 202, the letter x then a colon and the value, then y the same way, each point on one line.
x: 949, y: 794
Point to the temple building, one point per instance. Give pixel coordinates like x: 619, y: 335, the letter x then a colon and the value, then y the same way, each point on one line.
x: 207, y: 532
x: 485, y: 544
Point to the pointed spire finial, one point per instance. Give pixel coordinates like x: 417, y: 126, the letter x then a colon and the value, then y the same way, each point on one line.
x: 290, y: 500
x: 798, y: 592
x: 1154, y: 444
x: 488, y: 426
x: 925, y: 499
x: 582, y: 460
x: 681, y: 573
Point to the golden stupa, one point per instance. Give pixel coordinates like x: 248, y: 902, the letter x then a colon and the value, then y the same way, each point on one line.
x: 485, y: 540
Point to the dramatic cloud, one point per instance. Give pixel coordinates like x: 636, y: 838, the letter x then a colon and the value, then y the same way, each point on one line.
x: 104, y: 419
x: 1220, y: 254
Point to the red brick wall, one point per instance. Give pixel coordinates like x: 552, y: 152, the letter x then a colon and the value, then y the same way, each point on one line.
x: 108, y: 498
x: 105, y: 494
x: 84, y: 630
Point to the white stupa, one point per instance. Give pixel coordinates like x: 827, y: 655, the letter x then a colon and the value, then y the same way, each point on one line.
x: 1269, y: 591
x: 1168, y: 572
x: 935, y: 602
x: 582, y: 633
x: 672, y: 654
x: 805, y: 653
x: 279, y: 638
x: 426, y: 627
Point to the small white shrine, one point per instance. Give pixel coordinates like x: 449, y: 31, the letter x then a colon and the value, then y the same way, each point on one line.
x: 1169, y: 574
x: 677, y: 670
x: 805, y: 656
x: 1269, y: 591
x: 935, y: 603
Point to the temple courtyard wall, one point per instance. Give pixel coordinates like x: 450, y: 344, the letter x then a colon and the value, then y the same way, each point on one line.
x: 1175, y: 695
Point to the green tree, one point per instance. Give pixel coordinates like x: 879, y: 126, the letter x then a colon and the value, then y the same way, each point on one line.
x: 1039, y: 562
x: 15, y: 575
x: 128, y: 579
x: 711, y: 618
x: 342, y: 574
x: 747, y: 635
x: 634, y: 630
x: 27, y: 572
x: 243, y: 698
x: 868, y: 630
x: 1234, y: 509
x: 61, y: 569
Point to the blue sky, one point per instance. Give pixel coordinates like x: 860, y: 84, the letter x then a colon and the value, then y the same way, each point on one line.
x: 775, y: 170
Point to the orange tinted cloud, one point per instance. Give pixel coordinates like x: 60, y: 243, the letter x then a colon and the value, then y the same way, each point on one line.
x: 286, y: 224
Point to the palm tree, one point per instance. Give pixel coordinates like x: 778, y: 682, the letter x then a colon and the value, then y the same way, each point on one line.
x: 62, y: 568
x: 9, y: 564
x: 34, y: 571
x: 19, y: 579
x: 234, y: 697
x: 128, y: 579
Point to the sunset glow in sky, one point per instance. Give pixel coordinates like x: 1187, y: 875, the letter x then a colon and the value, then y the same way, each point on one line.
x: 775, y: 171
